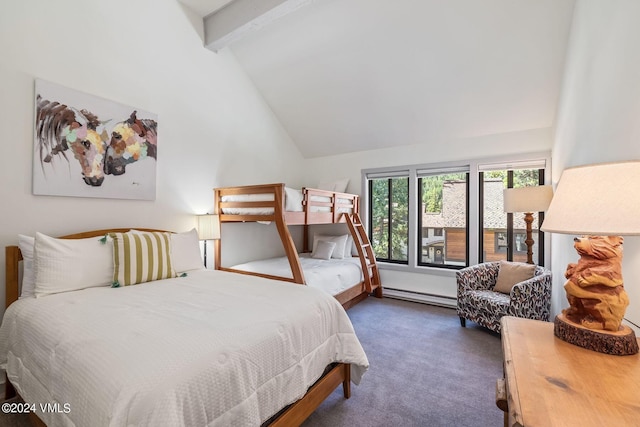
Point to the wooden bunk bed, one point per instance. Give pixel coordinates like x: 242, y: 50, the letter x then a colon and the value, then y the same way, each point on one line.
x: 267, y: 202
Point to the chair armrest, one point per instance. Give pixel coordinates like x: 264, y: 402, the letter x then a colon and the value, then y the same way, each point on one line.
x: 532, y: 298
x: 477, y: 277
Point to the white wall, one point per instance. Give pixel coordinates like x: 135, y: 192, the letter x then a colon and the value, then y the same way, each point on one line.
x: 598, y: 116
x: 214, y: 128
x: 432, y: 281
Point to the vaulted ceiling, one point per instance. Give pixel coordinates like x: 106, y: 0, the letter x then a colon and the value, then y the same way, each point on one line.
x: 351, y: 75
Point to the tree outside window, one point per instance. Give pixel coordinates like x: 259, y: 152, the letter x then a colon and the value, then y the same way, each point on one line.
x: 389, y: 220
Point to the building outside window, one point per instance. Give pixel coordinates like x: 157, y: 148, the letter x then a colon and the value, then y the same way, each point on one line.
x: 443, y: 207
x: 504, y: 234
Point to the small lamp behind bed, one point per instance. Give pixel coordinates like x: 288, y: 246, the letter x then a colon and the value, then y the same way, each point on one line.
x: 208, y: 229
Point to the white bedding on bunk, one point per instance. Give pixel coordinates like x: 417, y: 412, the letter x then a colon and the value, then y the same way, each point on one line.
x: 332, y: 276
x: 212, y: 348
x: 293, y: 203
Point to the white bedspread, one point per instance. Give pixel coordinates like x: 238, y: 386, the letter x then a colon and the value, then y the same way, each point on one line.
x: 213, y: 348
x: 332, y: 276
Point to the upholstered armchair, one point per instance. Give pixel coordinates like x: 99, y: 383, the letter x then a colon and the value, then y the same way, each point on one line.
x: 479, y: 302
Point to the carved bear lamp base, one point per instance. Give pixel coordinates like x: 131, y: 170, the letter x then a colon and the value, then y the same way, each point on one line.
x: 619, y: 343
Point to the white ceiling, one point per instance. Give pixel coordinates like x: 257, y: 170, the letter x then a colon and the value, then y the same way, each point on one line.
x: 351, y: 75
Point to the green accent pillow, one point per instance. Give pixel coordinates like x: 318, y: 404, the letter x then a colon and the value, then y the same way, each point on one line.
x: 141, y: 257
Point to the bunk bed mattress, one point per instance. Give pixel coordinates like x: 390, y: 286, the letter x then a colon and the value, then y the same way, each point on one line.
x: 212, y: 348
x: 332, y: 276
x: 293, y: 203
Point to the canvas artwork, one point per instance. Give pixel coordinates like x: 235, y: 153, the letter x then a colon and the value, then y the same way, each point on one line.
x: 87, y: 146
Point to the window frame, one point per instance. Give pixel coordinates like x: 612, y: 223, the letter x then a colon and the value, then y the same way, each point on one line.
x: 510, y: 231
x: 390, y: 220
x: 419, y: 228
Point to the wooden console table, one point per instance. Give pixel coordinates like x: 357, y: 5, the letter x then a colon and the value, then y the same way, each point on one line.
x: 550, y: 382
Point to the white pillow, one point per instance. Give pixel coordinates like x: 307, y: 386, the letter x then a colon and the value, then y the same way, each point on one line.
x: 350, y: 246
x: 293, y: 200
x: 340, y: 241
x: 185, y: 251
x: 25, y: 243
x: 63, y: 265
x: 340, y: 185
x: 323, y: 250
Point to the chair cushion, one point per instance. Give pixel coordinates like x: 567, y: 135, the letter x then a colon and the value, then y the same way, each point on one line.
x: 490, y: 303
x: 512, y: 273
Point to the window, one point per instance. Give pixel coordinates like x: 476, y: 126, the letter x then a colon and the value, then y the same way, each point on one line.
x: 450, y: 215
x: 503, y: 235
x: 389, y: 219
x: 443, y: 207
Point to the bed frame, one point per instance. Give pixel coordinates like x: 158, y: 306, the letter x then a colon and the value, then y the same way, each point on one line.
x: 282, y: 218
x: 292, y: 415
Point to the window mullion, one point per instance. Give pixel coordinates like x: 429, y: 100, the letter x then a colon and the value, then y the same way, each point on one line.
x: 390, y: 222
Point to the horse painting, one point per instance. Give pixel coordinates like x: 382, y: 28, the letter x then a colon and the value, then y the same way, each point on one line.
x: 99, y: 148
x: 60, y: 128
x: 131, y: 140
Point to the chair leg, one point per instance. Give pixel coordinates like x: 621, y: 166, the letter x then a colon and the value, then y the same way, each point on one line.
x: 463, y: 322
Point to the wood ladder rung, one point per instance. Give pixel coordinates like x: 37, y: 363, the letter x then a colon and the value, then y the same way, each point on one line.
x: 372, y: 266
x: 365, y: 245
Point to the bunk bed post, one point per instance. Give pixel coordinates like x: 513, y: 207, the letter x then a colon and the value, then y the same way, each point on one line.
x: 289, y: 247
x: 305, y: 238
x: 217, y: 244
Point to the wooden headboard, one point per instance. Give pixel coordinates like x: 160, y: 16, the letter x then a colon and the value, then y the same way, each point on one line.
x: 13, y: 256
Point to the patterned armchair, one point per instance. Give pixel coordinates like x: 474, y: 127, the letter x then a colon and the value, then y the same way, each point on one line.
x: 478, y: 302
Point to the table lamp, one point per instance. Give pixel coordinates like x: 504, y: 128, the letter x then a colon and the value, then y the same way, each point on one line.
x: 528, y: 200
x: 208, y: 229
x: 601, y: 203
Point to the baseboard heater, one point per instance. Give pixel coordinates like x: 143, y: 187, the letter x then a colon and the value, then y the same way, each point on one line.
x: 443, y: 301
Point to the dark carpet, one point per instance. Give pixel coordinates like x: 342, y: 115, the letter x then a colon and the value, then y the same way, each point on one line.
x: 425, y: 370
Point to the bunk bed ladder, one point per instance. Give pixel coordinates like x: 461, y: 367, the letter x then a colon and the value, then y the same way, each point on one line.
x: 365, y: 252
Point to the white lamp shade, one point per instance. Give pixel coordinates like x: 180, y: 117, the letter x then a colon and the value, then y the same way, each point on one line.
x: 601, y: 199
x: 208, y: 227
x: 527, y: 199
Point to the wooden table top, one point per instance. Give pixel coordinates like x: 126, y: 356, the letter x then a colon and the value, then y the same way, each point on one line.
x: 553, y: 383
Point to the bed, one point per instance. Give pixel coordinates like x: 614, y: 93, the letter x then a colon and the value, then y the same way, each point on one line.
x: 284, y: 206
x: 201, y: 347
x: 333, y: 276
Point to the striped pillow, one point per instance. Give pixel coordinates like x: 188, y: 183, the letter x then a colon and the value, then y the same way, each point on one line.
x: 141, y: 257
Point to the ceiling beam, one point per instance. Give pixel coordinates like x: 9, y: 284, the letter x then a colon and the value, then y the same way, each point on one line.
x: 242, y: 17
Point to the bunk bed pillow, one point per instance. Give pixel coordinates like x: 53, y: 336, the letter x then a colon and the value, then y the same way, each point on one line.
x: 63, y: 265
x: 339, y: 186
x: 351, y: 246
x: 28, y: 284
x: 140, y: 257
x: 323, y: 250
x: 293, y: 200
x: 340, y: 241
x: 185, y: 251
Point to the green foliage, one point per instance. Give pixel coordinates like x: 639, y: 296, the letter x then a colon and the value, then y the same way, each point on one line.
x: 521, y: 177
x: 390, y: 214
